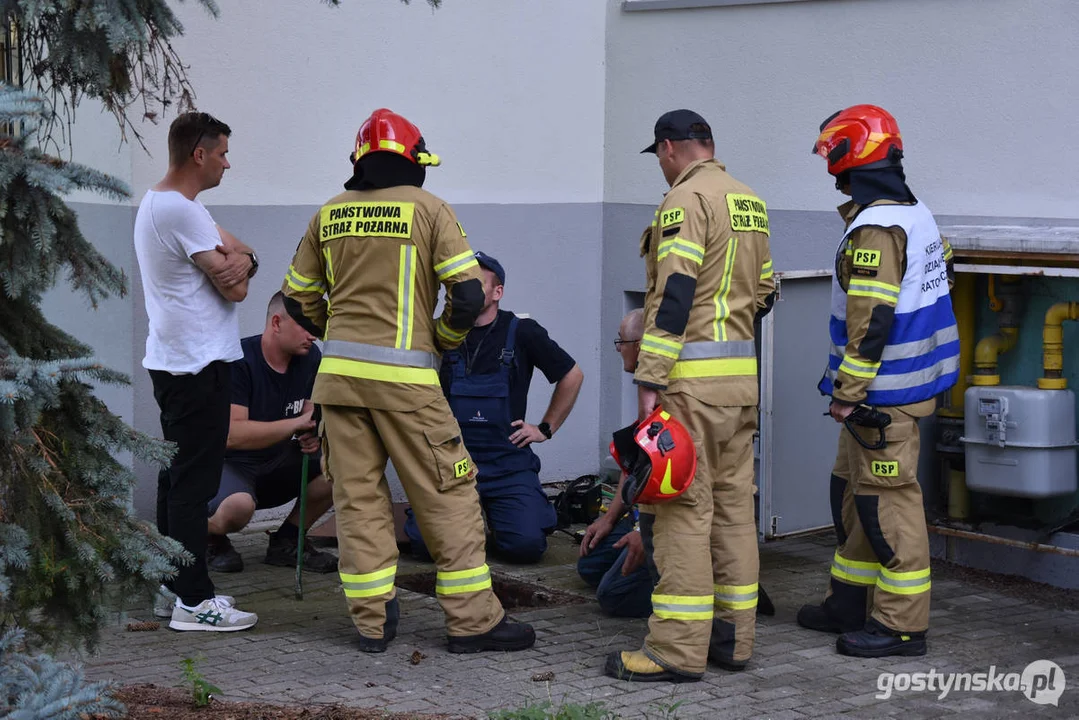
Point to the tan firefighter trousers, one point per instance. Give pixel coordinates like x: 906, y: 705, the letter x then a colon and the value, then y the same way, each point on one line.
x: 882, y: 561
x: 439, y: 479
x: 706, y: 545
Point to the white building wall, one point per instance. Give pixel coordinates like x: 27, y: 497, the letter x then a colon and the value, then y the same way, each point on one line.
x: 508, y: 92
x: 985, y: 92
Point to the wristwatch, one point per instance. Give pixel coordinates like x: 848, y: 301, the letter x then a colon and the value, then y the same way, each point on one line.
x: 545, y: 428
x: 254, y: 264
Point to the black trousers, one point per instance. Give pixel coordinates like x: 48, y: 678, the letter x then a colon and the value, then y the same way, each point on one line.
x: 195, y: 416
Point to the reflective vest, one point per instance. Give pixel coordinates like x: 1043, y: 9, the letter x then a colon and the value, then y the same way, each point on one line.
x: 921, y: 357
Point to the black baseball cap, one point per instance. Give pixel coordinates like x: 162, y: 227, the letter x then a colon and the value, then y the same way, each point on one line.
x: 493, y: 265
x: 676, y: 124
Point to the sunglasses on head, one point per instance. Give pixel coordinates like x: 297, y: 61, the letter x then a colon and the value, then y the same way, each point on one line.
x: 205, y: 121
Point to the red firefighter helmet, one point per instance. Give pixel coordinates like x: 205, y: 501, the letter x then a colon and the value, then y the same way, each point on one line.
x: 861, y: 136
x: 386, y: 131
x: 657, y: 456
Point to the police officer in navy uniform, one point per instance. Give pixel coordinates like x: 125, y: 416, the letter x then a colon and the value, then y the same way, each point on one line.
x: 486, y: 380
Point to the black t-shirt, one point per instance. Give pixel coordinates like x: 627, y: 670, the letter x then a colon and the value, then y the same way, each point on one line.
x: 533, y: 348
x: 269, y: 395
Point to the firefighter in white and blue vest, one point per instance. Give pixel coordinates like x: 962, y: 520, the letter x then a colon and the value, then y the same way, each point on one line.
x: 894, y: 349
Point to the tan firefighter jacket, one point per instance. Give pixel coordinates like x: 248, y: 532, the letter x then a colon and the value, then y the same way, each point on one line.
x: 709, y: 273
x: 367, y: 274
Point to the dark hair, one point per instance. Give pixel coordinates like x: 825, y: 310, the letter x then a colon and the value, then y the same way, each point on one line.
x: 701, y: 134
x: 276, y: 304
x: 189, y: 130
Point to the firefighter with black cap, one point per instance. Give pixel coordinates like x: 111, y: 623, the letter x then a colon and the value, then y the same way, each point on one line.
x: 709, y: 277
x: 365, y: 278
x: 894, y: 349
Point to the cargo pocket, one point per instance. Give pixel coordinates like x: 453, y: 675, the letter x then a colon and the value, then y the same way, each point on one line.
x: 455, y: 466
x: 897, y: 464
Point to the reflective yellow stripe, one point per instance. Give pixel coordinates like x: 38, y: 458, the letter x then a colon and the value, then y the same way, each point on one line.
x: 682, y: 248
x: 859, y: 368
x: 683, y: 607
x: 854, y: 572
x: 456, y: 264
x: 874, y: 289
x: 376, y: 371
x: 329, y: 264
x: 455, y: 582
x: 871, y: 284
x: 302, y: 283
x: 736, y: 597
x: 716, y: 367
x: 766, y: 270
x: 661, y: 346
x: 655, y: 219
x: 915, y: 582
x: 447, y: 333
x: 370, y: 584
x: 723, y: 310
x: 383, y: 145
x: 406, y: 292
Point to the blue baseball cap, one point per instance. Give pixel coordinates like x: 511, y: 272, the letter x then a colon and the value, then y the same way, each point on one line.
x: 493, y: 265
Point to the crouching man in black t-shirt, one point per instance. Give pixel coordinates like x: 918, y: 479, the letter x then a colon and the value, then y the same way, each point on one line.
x: 270, y: 430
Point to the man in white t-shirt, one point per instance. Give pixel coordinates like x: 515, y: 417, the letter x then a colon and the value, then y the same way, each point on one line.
x: 193, y: 274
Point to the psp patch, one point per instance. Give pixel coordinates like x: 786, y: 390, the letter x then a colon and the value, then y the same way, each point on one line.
x: 461, y: 468
x: 885, y: 468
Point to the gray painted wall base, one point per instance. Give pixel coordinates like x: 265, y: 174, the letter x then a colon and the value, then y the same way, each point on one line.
x: 1056, y: 570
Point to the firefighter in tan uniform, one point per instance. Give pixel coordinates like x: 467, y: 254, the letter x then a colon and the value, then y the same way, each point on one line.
x: 894, y: 349
x: 378, y: 253
x: 709, y: 275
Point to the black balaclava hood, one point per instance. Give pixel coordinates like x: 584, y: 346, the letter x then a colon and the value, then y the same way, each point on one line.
x: 384, y: 170
x: 886, y: 183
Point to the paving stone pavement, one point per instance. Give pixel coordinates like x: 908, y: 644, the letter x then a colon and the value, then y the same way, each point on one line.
x: 303, y: 651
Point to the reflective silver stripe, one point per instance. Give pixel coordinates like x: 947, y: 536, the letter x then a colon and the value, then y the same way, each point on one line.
x: 456, y: 267
x: 915, y: 348
x: 379, y: 354
x: 916, y: 582
x: 684, y: 607
x: 736, y: 597
x: 904, y: 381
x: 385, y: 582
x: 845, y: 569
x: 719, y: 349
x: 457, y: 582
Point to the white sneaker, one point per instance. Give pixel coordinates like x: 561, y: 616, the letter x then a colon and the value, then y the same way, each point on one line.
x: 214, y: 615
x: 165, y: 601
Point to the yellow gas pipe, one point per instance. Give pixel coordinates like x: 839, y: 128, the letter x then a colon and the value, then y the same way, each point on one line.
x: 964, y: 304
x: 1053, y: 345
x: 990, y: 348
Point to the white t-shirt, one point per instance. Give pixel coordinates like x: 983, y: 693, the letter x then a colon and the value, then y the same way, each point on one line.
x: 191, y: 324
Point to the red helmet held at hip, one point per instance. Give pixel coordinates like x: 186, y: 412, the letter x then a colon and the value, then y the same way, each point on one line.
x: 386, y: 131
x: 658, y: 457
x: 862, y: 136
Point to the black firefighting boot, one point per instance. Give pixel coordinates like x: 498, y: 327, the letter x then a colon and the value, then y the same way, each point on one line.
x: 507, y: 635
x: 876, y: 640
x: 635, y: 666
x: 764, y: 603
x: 389, y: 630
x: 721, y: 647
x: 842, y: 611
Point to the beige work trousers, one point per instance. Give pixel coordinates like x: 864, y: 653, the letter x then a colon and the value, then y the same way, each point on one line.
x: 438, y: 477
x: 706, y: 544
x: 884, y: 546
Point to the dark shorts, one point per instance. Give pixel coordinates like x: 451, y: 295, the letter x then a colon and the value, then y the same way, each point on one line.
x: 271, y: 483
